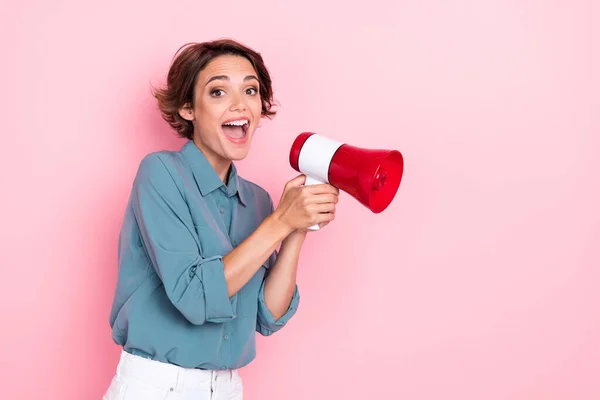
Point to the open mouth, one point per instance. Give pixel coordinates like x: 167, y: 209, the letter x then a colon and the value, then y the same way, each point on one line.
x: 236, y: 130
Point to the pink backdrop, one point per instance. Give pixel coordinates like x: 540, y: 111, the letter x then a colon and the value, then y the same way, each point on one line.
x: 479, y: 282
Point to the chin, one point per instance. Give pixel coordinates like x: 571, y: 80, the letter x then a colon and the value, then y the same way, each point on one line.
x: 239, y: 150
x: 237, y: 155
x: 236, y: 152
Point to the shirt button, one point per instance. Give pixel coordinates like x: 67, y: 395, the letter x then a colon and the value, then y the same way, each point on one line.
x: 226, y: 337
x: 223, y: 368
x: 171, y: 389
x: 221, y: 211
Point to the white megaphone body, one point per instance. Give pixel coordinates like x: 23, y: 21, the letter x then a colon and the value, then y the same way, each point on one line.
x: 371, y: 176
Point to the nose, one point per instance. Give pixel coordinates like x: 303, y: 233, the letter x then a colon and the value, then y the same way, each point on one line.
x: 237, y: 104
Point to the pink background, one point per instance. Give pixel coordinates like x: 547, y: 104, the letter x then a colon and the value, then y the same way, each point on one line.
x: 479, y: 282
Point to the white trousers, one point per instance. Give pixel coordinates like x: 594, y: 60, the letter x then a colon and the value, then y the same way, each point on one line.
x: 138, y: 378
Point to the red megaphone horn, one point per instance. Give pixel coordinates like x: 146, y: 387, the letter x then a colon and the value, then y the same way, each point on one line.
x: 370, y: 176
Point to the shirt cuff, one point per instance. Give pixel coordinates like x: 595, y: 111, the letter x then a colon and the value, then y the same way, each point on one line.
x: 266, y: 324
x: 219, y: 307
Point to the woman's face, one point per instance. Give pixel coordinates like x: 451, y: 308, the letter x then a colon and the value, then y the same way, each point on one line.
x: 227, y: 109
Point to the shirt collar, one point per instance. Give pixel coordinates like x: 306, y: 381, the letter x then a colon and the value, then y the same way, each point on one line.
x: 206, y: 177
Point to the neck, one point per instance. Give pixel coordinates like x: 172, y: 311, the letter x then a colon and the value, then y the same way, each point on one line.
x: 220, y: 165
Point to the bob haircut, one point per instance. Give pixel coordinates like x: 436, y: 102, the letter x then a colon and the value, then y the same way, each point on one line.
x: 192, y: 58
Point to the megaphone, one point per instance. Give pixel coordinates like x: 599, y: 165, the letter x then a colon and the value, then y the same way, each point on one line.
x: 371, y: 176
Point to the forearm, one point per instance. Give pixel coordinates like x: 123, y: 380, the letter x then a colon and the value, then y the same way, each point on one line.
x: 281, y: 281
x: 243, y: 262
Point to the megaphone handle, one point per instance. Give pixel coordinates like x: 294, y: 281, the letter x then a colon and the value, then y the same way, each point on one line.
x: 313, y: 181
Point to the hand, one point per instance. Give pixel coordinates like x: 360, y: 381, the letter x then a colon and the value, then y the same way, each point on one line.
x: 301, y: 206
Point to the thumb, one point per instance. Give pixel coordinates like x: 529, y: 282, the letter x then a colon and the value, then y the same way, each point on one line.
x: 297, y: 181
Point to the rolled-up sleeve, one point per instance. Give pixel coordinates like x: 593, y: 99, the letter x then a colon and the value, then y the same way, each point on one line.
x: 195, y: 285
x: 266, y: 324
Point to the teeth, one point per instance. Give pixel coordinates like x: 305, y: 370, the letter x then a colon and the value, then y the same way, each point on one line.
x: 237, y: 123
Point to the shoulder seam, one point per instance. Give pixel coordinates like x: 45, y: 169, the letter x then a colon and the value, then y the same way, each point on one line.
x: 159, y: 156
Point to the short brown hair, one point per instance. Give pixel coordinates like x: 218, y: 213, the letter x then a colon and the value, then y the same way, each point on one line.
x: 189, y: 60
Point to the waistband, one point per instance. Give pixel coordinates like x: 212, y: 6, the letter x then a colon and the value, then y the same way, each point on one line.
x: 169, y: 376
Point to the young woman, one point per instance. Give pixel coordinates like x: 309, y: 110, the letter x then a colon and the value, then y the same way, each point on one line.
x: 200, y: 271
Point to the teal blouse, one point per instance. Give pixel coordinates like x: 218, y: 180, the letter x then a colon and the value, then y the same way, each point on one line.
x: 171, y: 302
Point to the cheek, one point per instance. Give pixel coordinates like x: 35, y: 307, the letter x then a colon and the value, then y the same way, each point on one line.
x: 256, y: 107
x: 207, y: 116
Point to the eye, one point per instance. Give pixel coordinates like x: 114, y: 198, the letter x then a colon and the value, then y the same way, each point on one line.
x: 217, y: 93
x: 251, y: 91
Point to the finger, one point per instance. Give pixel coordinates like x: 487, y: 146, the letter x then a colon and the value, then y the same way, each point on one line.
x: 322, y: 198
x: 322, y: 208
x: 322, y: 188
x: 324, y: 217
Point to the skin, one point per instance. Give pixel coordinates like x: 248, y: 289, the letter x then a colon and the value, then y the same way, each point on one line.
x: 233, y: 94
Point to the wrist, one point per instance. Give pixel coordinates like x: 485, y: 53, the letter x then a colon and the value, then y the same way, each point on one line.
x: 296, y: 237
x: 274, y: 223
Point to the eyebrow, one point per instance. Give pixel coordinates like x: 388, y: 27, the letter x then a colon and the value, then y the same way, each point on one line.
x: 226, y: 78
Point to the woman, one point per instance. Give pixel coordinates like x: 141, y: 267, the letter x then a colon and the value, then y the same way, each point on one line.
x: 199, y: 270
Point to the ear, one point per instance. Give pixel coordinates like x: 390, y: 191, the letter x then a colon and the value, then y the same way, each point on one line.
x: 186, y: 112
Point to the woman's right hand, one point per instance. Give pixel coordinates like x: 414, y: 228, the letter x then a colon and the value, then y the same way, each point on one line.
x: 301, y: 207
